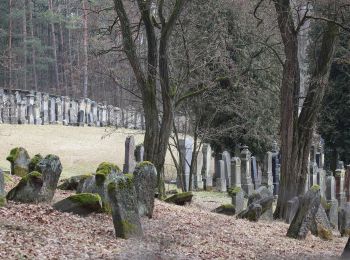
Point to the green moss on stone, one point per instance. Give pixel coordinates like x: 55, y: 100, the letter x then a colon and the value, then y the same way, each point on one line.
x: 234, y: 191
x: 227, y: 206
x: 34, y: 162
x: 106, y: 168
x: 13, y: 154
x: 127, y: 182
x: 85, y: 198
x: 100, y: 178
x: 315, y: 188
x: 111, y: 186
x: 325, y: 204
x: 127, y: 226
x: 145, y: 163
x: 2, y: 201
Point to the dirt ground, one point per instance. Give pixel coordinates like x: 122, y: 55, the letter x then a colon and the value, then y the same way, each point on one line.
x: 175, y: 232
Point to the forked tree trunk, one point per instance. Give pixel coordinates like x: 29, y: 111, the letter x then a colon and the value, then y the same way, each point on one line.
x: 296, y: 131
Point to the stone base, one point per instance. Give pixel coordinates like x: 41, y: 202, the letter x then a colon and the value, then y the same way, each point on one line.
x: 248, y: 188
x: 332, y: 213
x: 221, y: 184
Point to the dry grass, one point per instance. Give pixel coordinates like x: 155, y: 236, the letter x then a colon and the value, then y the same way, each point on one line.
x: 80, y: 149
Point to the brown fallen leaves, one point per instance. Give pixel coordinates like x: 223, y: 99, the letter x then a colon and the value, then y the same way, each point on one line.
x: 175, y: 232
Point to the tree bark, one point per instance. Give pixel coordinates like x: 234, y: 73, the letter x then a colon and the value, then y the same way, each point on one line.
x: 54, y: 47
x: 85, y: 44
x: 25, y: 42
x: 296, y: 132
x: 33, y: 45
x: 10, y: 44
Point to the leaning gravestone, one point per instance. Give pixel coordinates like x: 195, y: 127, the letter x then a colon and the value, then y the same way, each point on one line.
x: 292, y: 207
x: 305, y: 215
x: 19, y: 159
x: 123, y: 200
x: 259, y: 194
x: 38, y: 187
x: 145, y: 181
x: 2, y: 189
x: 320, y: 226
x: 129, y: 159
x: 256, y: 209
x: 344, y: 220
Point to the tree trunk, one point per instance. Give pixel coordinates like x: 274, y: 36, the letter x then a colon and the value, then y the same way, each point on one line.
x: 54, y: 47
x: 296, y: 132
x: 85, y: 44
x: 25, y: 43
x: 33, y: 45
x: 10, y: 44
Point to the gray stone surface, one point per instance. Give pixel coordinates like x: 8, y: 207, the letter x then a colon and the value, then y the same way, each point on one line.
x: 123, y: 200
x: 332, y: 213
x: 246, y: 179
x: 52, y: 110
x: 292, y: 207
x: 206, y: 173
x: 226, y: 157
x: 305, y: 214
x: 186, y: 150
x: 129, y: 158
x: 344, y: 220
x: 139, y: 153
x: 221, y: 177
x: 198, y: 178
x: 320, y: 226
x: 145, y: 181
x: 19, y: 159
x: 237, y: 196
x: 236, y: 172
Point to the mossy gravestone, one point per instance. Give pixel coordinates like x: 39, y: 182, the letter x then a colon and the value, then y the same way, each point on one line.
x: 97, y: 183
x: 180, y: 198
x: 80, y: 204
x: 306, y: 213
x: 19, y: 159
x: 145, y: 181
x: 73, y: 182
x: 2, y: 189
x: 33, y: 163
x: 38, y: 186
x: 123, y: 201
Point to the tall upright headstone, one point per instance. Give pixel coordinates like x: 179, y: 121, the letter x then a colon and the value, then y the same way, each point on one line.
x: 207, y: 175
x: 30, y: 108
x: 276, y: 168
x: 236, y: 172
x: 66, y: 107
x: 340, y: 184
x: 221, y: 177
x: 88, y: 112
x: 37, y: 113
x: 139, y: 153
x: 254, y: 171
x: 59, y: 111
x: 332, y: 212
x: 246, y: 179
x: 226, y: 157
x: 198, y: 179
x: 104, y: 115
x: 186, y: 150
x: 73, y: 113
x: 129, y: 159
x: 5, y: 109
x: 267, y: 178
x: 52, y: 109
x: 45, y: 109
x: 22, y: 112
x: 13, y: 110
x: 81, y: 113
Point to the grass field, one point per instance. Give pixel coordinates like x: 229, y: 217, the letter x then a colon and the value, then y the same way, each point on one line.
x: 80, y: 149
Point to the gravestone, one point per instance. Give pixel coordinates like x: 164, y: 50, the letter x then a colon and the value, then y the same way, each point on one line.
x: 99, y: 114
x: 66, y: 106
x: 344, y: 220
x: 145, y: 182
x: 276, y: 168
x: 110, y: 115
x: 13, y: 110
x: 226, y: 157
x: 259, y: 194
x: 37, y: 109
x: 94, y: 113
x: 254, y: 171
x: 236, y: 172
x: 52, y: 110
x: 30, y: 108
x: 104, y: 116
x: 19, y: 159
x: 292, y: 207
x: 73, y: 113
x: 340, y: 185
x: 118, y: 117
x: 267, y: 178
x: 186, y: 150
x: 126, y: 219
x: 88, y: 112
x: 139, y: 153
x: 246, y: 178
x: 237, y: 196
x: 45, y: 109
x: 6, y: 109
x: 81, y: 113
x: 221, y: 177
x: 59, y: 111
x: 129, y: 159
x: 206, y: 173
x: 198, y: 179
x: 22, y: 112
x: 313, y: 173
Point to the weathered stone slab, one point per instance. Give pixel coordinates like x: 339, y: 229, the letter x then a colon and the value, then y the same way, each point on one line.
x: 236, y: 172
x: 2, y: 189
x: 145, y: 181
x: 344, y: 220
x: 292, y: 207
x: 226, y: 157
x: 180, y: 199
x: 237, y: 196
x: 186, y: 150
x: 139, y: 153
x: 206, y: 173
x: 221, y: 177
x: 246, y: 179
x: 129, y: 159
x: 305, y: 214
x: 198, y: 178
x: 123, y: 200
x: 320, y: 226
x: 19, y: 159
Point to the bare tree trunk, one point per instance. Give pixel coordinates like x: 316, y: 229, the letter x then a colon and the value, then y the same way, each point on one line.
x: 33, y: 45
x: 296, y: 132
x: 25, y: 42
x: 54, y: 47
x: 85, y: 44
x: 10, y: 44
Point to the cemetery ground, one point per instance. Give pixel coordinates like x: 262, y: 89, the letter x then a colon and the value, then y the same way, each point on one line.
x: 175, y: 232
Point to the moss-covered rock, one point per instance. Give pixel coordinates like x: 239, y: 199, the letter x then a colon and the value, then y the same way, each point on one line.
x: 33, y: 163
x: 2, y: 201
x: 107, y: 168
x: 180, y: 198
x: 225, y: 209
x: 72, y: 183
x: 80, y: 204
x: 19, y: 159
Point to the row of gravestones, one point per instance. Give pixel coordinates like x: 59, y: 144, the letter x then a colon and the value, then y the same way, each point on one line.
x: 126, y: 196
x: 29, y: 107
x: 225, y: 172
